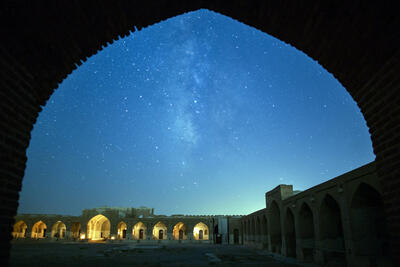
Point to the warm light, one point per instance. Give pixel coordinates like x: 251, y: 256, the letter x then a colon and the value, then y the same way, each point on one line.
x: 113, y: 237
x: 82, y: 236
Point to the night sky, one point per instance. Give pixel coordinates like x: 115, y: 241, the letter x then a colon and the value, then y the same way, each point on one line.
x: 199, y: 114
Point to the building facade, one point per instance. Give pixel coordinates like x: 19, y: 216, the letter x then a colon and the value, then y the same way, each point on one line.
x: 341, y: 221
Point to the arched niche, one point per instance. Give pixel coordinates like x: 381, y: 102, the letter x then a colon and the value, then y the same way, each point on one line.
x: 160, y: 231
x: 306, y: 232
x: 200, y: 231
x: 58, y: 230
x: 290, y: 234
x: 39, y: 230
x: 139, y: 231
x: 331, y: 231
x: 368, y: 223
x: 98, y: 228
x: 275, y: 228
x: 121, y: 230
x: 19, y: 229
x: 180, y: 231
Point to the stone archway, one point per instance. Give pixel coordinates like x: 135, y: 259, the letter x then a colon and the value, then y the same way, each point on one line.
x: 180, y: 231
x: 39, y: 230
x: 159, y: 231
x: 362, y: 56
x: 331, y: 231
x: 290, y: 234
x: 139, y: 231
x: 58, y: 230
x: 306, y: 233
x: 200, y: 231
x: 98, y: 228
x: 275, y: 232
x: 264, y: 231
x: 368, y: 224
x: 121, y: 230
x: 19, y: 230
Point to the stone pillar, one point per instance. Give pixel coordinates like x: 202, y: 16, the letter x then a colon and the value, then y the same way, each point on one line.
x: 129, y: 235
x: 319, y: 255
x: 347, y: 234
x: 190, y: 236
x: 170, y: 236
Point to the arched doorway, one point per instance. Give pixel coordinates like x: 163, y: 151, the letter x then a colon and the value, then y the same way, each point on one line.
x: 306, y: 232
x: 139, y: 231
x: 121, y: 230
x: 275, y: 228
x: 180, y: 231
x: 19, y: 230
x: 98, y: 228
x: 290, y: 234
x: 58, y: 230
x: 75, y: 230
x: 39, y: 230
x: 331, y: 230
x: 200, y: 231
x: 160, y: 231
x: 368, y: 224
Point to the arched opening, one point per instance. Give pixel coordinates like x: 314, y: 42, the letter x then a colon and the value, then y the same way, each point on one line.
x: 200, y: 231
x: 306, y: 232
x: 180, y: 231
x: 139, y: 231
x: 98, y: 228
x: 58, y: 230
x: 75, y: 230
x: 264, y: 230
x: 275, y: 228
x: 159, y: 231
x: 121, y: 231
x: 39, y: 230
x: 19, y: 230
x: 290, y: 234
x: 235, y: 236
x: 368, y: 223
x: 343, y: 62
x: 331, y: 230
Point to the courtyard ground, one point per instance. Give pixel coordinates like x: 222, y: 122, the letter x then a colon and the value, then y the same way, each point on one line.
x: 45, y: 253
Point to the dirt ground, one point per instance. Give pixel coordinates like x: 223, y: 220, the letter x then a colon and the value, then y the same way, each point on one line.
x: 44, y: 253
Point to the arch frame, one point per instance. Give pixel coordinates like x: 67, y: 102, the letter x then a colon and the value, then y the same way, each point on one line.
x: 369, y: 79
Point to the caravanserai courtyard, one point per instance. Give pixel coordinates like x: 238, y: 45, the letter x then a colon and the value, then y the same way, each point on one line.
x: 337, y: 223
x: 62, y: 253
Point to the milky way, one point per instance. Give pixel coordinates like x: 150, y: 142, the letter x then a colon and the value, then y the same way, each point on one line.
x: 199, y: 114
